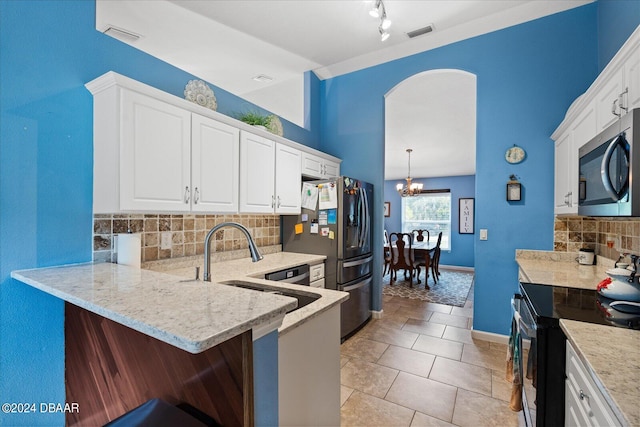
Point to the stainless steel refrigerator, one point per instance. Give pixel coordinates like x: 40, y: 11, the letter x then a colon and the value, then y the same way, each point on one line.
x: 344, y: 236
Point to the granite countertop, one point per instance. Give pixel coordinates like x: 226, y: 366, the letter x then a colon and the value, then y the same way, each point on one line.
x: 191, y: 315
x: 612, y: 357
x: 245, y: 270
x: 560, y: 269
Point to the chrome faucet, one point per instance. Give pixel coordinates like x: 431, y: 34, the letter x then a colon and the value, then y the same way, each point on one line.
x: 253, y: 249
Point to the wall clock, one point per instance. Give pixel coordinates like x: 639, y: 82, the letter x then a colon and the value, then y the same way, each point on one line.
x: 514, y: 154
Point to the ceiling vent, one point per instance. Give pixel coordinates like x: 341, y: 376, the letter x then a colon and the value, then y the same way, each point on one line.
x: 262, y: 78
x: 122, y: 35
x: 420, y: 31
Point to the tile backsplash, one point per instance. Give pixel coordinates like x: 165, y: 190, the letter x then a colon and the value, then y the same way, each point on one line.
x: 185, y: 233
x: 575, y: 232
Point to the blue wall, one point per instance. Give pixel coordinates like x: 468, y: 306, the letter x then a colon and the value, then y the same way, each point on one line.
x: 461, y: 253
x: 527, y: 76
x: 617, y: 19
x: 48, y: 51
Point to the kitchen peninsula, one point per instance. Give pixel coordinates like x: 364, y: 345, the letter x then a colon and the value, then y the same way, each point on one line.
x: 131, y: 333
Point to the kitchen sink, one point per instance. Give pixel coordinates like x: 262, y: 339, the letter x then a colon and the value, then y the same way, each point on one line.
x: 304, y: 299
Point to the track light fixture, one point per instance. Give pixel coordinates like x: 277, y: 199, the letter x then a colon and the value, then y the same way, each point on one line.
x: 378, y: 11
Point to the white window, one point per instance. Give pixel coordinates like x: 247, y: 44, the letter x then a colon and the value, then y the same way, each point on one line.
x: 429, y: 211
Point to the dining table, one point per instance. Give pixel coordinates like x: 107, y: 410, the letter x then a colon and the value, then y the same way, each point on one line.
x: 422, y: 249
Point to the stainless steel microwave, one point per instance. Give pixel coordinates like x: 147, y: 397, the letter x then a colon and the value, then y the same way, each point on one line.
x: 607, y: 165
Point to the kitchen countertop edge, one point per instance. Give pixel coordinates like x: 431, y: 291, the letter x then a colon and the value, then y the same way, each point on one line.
x: 245, y: 270
x: 271, y: 311
x: 623, y: 405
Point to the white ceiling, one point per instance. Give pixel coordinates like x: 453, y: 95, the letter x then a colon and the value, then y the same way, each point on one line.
x: 228, y: 42
x: 421, y: 114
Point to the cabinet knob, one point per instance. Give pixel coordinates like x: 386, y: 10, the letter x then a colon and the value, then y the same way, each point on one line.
x: 187, y: 195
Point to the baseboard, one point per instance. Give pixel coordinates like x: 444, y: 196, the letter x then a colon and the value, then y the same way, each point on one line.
x: 377, y: 314
x: 457, y: 268
x: 490, y: 336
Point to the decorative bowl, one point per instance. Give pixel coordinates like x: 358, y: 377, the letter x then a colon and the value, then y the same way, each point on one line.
x: 199, y: 92
x: 275, y: 125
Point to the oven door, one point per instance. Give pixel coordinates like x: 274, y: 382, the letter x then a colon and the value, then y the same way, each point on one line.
x: 527, y: 366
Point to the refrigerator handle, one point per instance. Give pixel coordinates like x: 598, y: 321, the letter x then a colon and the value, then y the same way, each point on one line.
x: 366, y: 217
x: 357, y: 285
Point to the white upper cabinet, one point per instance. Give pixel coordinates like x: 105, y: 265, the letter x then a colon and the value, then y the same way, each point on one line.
x: 615, y: 92
x: 270, y: 179
x: 215, y: 165
x: 610, y: 100
x: 257, y: 169
x: 151, y: 156
x: 288, y: 180
x: 632, y: 80
x: 155, y: 152
x: 155, y: 155
x: 563, y: 189
x: 318, y: 167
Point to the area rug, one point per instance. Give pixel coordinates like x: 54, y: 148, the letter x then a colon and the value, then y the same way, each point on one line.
x: 452, y: 288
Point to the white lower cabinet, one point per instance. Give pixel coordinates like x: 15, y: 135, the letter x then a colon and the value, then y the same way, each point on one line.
x: 309, y: 372
x: 585, y: 404
x: 270, y: 178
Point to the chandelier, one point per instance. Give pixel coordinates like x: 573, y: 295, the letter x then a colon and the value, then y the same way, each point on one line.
x: 410, y: 189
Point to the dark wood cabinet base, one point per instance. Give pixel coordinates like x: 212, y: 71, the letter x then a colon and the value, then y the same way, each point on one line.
x: 111, y: 369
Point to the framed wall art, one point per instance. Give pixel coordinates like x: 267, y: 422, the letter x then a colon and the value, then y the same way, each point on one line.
x: 465, y: 215
x: 387, y: 209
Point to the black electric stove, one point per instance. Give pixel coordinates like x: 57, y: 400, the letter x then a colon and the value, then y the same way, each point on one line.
x: 540, y: 308
x: 552, y: 303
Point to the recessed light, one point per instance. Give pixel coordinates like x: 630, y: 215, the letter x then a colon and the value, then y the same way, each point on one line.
x: 262, y: 78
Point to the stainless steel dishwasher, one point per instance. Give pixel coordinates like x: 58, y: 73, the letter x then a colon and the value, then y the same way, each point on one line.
x: 298, y: 275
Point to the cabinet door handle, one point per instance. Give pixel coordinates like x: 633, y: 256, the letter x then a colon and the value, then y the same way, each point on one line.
x: 567, y: 198
x: 324, y: 169
x: 614, y: 107
x: 278, y: 201
x: 187, y: 195
x: 623, y: 106
x: 273, y: 201
x: 196, y: 196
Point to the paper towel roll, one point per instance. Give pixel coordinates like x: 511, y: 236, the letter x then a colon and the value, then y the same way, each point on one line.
x: 129, y: 249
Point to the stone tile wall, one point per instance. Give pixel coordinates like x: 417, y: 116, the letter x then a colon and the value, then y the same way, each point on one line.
x: 575, y: 232
x: 186, y: 233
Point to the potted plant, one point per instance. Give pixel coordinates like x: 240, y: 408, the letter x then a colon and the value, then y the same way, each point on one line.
x: 255, y: 119
x: 270, y: 122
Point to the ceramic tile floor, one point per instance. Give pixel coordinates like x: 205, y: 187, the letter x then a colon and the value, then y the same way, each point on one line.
x: 419, y: 366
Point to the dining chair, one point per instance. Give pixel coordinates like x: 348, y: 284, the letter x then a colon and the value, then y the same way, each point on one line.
x: 419, y: 235
x: 387, y: 254
x: 402, y: 257
x: 435, y: 260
